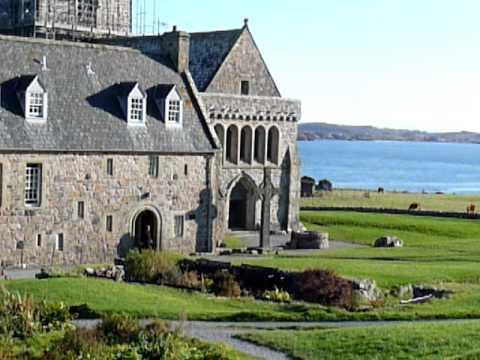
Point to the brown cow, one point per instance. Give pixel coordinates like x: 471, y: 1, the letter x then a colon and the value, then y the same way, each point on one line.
x: 471, y: 209
x: 414, y: 206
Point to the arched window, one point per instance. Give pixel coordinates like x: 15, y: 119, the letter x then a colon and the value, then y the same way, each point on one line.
x: 232, y: 144
x: 246, y: 145
x: 220, y: 131
x: 260, y: 144
x: 273, y: 141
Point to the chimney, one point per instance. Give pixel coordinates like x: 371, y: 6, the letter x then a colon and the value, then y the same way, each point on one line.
x: 177, y: 45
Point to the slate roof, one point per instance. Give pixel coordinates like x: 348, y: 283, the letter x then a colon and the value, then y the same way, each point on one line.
x: 83, y: 109
x: 208, y: 51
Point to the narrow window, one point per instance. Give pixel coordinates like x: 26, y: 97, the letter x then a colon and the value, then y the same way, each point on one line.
x: 137, y: 109
x: 81, y: 210
x: 39, y: 240
x: 60, y: 242
x: 179, y: 223
x: 245, y: 87
x: 153, y: 166
x: 36, y: 105
x: 1, y: 184
x: 174, y: 111
x: 110, y: 167
x: 33, y: 185
x: 185, y: 170
x: 109, y: 223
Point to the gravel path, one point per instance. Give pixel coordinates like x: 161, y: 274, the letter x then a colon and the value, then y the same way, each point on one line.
x: 224, y: 332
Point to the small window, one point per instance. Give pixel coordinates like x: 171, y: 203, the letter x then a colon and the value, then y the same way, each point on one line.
x: 137, y: 107
x: 110, y: 167
x: 36, y: 105
x: 179, y: 223
x: 39, y: 240
x: 60, y: 242
x: 153, y: 166
x: 33, y: 185
x: 174, y: 109
x: 81, y: 210
x: 245, y: 87
x: 109, y: 223
x: 185, y: 170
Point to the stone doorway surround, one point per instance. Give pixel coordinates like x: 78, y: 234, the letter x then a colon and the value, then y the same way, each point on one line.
x: 241, y: 204
x: 150, y: 216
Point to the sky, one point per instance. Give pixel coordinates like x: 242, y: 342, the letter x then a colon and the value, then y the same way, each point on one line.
x: 405, y: 64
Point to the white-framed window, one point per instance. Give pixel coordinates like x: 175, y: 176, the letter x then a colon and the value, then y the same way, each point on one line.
x: 33, y: 185
x: 174, y: 109
x: 137, y: 110
x: 36, y: 105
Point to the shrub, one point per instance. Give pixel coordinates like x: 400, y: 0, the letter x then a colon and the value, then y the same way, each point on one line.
x: 119, y: 329
x: 277, y: 296
x: 324, y: 287
x: 224, y: 284
x: 151, y: 266
x: 190, y: 280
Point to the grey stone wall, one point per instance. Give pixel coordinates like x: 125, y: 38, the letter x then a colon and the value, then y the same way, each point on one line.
x: 254, y: 111
x: 69, y: 178
x: 244, y: 62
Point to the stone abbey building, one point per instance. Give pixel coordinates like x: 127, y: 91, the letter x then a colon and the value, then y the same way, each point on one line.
x: 114, y: 141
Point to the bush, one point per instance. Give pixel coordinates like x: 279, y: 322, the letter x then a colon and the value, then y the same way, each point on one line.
x: 151, y: 266
x: 22, y: 317
x: 190, y: 280
x: 224, y: 284
x: 277, y: 296
x: 324, y: 287
x: 119, y: 329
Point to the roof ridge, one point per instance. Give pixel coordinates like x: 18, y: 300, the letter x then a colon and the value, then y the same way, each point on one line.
x: 49, y: 42
x: 216, y: 31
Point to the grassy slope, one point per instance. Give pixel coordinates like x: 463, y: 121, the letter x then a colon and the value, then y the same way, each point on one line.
x: 346, y: 198
x: 156, y: 301
x: 425, y: 341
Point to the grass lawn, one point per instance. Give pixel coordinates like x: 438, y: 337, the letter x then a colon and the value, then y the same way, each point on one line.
x: 350, y: 198
x: 151, y: 301
x: 233, y: 242
x: 421, y: 341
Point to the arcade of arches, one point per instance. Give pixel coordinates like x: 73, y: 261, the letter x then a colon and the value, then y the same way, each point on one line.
x: 249, y: 145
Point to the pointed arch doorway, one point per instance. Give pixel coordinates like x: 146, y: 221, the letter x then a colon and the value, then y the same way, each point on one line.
x: 242, y: 206
x: 147, y: 229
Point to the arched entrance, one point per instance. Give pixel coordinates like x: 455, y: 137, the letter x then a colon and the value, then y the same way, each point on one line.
x: 147, y: 229
x: 242, y: 206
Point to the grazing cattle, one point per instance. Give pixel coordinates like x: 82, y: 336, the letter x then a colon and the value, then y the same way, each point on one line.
x: 381, y: 190
x: 471, y: 209
x: 414, y: 206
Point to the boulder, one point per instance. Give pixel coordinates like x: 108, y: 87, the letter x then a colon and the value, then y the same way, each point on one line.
x: 388, y: 242
x: 365, y: 292
x: 325, y: 185
x: 309, y: 240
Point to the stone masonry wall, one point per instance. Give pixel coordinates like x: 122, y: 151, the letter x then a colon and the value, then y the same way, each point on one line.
x: 68, y: 179
x: 244, y: 63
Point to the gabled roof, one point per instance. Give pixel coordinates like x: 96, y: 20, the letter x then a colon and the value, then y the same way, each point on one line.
x: 208, y: 51
x: 163, y: 90
x: 84, y: 112
x: 24, y: 82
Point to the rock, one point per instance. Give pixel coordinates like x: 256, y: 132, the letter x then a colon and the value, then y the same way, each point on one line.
x: 309, y: 240
x: 388, y: 242
x: 367, y: 290
x: 119, y: 273
x: 253, y: 252
x: 325, y: 185
x: 89, y: 272
x: 421, y: 291
x: 404, y: 292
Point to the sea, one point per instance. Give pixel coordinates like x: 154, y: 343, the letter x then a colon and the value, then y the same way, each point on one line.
x: 395, y: 166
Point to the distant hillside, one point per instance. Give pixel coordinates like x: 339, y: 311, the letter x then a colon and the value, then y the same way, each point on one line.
x: 324, y: 131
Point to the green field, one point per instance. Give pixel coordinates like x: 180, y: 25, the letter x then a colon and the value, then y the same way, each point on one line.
x: 432, y: 202
x: 424, y: 341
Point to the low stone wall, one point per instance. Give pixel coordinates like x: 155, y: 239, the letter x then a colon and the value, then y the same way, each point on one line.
x: 443, y: 214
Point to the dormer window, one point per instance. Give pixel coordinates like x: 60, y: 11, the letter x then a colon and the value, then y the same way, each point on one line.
x: 136, y: 109
x: 33, y: 98
x: 133, y: 101
x: 174, y: 111
x: 170, y: 104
